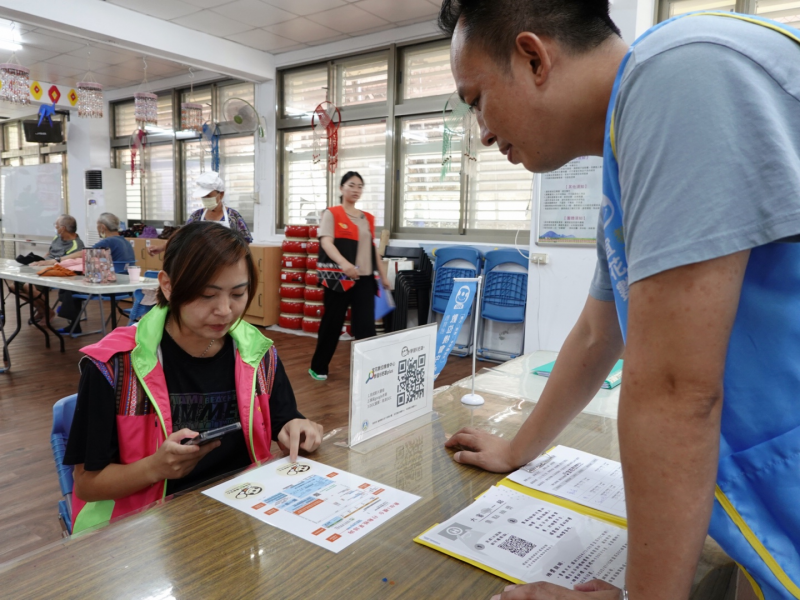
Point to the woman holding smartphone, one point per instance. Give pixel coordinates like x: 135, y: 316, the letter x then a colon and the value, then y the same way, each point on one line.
x: 191, y: 365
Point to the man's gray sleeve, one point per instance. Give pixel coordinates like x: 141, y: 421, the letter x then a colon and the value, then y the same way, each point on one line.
x: 708, y: 143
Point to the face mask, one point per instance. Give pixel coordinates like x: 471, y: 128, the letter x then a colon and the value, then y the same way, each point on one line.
x: 209, y: 203
x: 101, y: 234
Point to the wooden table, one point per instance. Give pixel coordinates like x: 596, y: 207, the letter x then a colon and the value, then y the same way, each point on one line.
x: 194, y: 547
x: 11, y: 270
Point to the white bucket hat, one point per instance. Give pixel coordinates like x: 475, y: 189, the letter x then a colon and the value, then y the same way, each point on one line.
x: 206, y: 183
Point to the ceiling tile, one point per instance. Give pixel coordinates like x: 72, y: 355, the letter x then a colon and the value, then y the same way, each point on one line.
x: 347, y: 19
x: 395, y: 11
x: 342, y: 36
x: 77, y: 62
x: 254, y: 13
x: 306, y: 7
x: 121, y: 72
x: 303, y: 30
x: 374, y: 29
x: 48, y: 42
x: 162, y: 9
x: 29, y: 55
x: 46, y: 72
x: 261, y: 39
x: 104, y: 54
x: 290, y: 48
x: 207, y: 3
x: 110, y: 81
x: 212, y: 23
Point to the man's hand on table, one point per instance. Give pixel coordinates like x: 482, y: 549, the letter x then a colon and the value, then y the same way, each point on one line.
x: 43, y: 263
x: 592, y: 590
x: 483, y: 450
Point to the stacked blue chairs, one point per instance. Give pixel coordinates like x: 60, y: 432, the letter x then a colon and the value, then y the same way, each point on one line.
x: 138, y: 310
x: 453, y: 262
x: 119, y: 267
x: 505, y: 295
x: 63, y: 411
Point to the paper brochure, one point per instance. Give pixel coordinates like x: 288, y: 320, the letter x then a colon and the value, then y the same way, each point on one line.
x: 323, y: 505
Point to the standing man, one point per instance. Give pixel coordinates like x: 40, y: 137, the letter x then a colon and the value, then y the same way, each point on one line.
x: 698, y: 274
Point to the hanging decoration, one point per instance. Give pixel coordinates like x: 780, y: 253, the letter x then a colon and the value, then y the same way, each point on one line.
x: 89, y: 97
x: 145, y: 104
x: 325, y: 123
x: 46, y: 112
x: 138, y: 144
x: 14, y: 78
x: 191, y: 112
x: 210, y: 143
x: 457, y: 118
x: 90, y: 100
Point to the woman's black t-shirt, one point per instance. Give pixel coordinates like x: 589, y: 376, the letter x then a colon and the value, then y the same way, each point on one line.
x: 202, y: 396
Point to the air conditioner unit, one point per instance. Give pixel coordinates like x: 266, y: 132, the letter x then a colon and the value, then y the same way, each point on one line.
x: 104, y: 191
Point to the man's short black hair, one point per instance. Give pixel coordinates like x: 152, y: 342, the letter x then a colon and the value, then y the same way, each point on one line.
x: 579, y: 25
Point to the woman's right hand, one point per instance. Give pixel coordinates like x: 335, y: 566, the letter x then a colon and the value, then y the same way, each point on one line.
x: 350, y: 271
x: 173, y: 460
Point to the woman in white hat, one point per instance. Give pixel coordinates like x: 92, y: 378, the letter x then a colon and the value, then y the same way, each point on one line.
x: 210, y: 189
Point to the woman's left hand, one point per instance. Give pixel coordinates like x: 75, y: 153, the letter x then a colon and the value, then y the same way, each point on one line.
x: 592, y: 590
x: 385, y: 282
x: 299, y: 433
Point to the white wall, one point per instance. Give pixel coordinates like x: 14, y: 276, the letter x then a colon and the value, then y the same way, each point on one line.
x: 88, y: 147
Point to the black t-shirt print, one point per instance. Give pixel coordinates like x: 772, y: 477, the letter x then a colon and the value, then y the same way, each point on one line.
x: 93, y: 438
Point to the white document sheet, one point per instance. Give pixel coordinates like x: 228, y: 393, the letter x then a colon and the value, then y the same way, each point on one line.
x: 577, y: 476
x: 531, y: 540
x: 326, y: 506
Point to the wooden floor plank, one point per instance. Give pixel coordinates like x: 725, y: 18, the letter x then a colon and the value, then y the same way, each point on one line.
x: 29, y: 489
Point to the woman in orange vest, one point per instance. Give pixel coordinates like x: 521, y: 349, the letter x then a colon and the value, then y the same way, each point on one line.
x: 348, y: 262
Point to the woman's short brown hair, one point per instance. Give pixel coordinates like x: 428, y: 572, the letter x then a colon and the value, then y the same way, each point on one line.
x: 193, y: 257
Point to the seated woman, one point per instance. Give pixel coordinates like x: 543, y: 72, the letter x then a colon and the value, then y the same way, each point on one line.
x: 190, y: 365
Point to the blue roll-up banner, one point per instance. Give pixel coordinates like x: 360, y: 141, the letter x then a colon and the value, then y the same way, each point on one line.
x: 458, y: 308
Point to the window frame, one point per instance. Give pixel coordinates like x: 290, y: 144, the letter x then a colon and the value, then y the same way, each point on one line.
x: 392, y: 111
x: 177, y: 142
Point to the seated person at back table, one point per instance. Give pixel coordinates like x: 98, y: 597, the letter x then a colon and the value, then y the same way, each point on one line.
x: 66, y: 242
x: 121, y: 253
x: 187, y: 367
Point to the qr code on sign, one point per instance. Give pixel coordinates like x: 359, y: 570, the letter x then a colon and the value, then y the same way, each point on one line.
x: 410, y: 380
x: 516, y: 545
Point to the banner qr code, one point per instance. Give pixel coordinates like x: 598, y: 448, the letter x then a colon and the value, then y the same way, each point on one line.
x: 410, y: 380
x: 516, y: 545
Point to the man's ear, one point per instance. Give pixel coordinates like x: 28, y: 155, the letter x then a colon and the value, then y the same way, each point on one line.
x: 531, y: 49
x: 165, y: 283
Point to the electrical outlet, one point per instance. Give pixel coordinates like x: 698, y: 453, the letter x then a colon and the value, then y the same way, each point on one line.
x: 539, y: 259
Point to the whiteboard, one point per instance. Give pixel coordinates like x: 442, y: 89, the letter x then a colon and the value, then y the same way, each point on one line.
x: 32, y: 199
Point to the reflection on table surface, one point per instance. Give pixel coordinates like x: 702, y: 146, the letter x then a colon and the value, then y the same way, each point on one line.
x: 193, y: 546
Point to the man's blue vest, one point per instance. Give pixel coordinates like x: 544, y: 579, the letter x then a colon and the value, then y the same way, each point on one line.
x: 756, y: 516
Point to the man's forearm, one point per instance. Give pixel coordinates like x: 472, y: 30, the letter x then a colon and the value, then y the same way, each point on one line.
x: 670, y: 447
x: 587, y: 356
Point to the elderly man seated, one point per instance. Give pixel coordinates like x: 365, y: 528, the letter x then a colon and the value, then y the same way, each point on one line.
x: 65, y: 243
x: 121, y: 253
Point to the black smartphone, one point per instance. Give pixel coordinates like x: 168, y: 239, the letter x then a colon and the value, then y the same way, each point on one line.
x: 211, y: 435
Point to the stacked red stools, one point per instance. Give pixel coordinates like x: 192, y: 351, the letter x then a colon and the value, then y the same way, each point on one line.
x: 313, y: 293
x: 293, y: 275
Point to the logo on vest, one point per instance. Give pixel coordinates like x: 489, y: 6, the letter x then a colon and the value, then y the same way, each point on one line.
x: 607, y: 210
x: 243, y: 491
x: 293, y: 469
x: 343, y: 225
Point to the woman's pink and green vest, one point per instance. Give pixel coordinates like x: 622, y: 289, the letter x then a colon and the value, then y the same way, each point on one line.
x: 129, y: 357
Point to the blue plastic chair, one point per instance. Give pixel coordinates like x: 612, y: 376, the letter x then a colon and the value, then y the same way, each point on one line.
x: 443, y: 281
x: 120, y: 266
x: 137, y: 311
x: 443, y: 275
x: 63, y: 411
x: 505, y: 296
